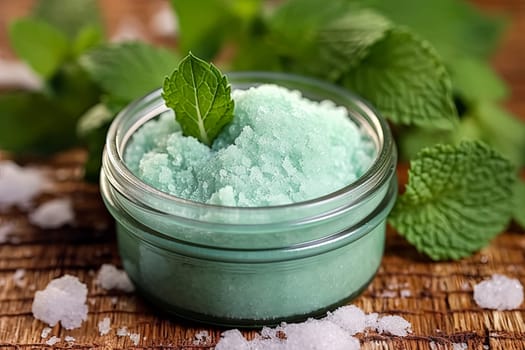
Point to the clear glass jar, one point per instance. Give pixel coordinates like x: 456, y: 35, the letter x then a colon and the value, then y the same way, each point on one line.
x: 251, y: 266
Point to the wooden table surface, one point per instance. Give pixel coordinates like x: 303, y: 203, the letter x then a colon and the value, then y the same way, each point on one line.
x: 439, y: 305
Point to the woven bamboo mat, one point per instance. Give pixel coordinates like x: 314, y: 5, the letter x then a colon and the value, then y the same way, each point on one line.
x: 435, y: 297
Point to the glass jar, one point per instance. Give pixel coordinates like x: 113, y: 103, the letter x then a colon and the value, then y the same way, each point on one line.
x: 243, y: 266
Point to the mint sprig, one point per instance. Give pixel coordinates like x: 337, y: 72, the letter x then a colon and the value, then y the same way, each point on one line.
x: 457, y: 199
x: 200, y: 95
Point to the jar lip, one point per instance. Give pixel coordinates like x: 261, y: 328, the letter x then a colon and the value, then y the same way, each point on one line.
x: 374, y: 174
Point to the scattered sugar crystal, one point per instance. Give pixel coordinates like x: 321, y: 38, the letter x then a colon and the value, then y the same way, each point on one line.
x: 486, y: 347
x: 459, y: 346
x: 19, y: 278
x: 405, y: 293
x: 280, y: 148
x: 114, y: 301
x: 122, y: 332
x: 53, y: 340
x: 45, y: 332
x: 433, y: 346
x: 350, y: 318
x: 201, y: 338
x: 499, y: 292
x: 104, y: 326
x: 19, y: 185
x: 6, y: 230
x: 233, y: 339
x: 164, y: 22
x: 135, y: 338
x: 64, y: 301
x: 109, y: 277
x: 53, y: 214
x: 388, y: 294
x: 69, y: 339
x: 371, y: 320
x: 395, y: 325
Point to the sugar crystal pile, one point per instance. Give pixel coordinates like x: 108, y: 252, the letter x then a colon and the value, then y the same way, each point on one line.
x: 109, y: 277
x: 64, y: 301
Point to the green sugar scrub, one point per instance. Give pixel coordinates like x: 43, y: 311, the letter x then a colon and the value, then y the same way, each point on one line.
x: 280, y: 148
x: 282, y: 217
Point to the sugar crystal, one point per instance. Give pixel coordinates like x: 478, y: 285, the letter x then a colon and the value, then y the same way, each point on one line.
x: 499, y: 292
x: 122, y: 332
x: 19, y: 185
x: 19, y: 278
x: 350, y: 318
x: 6, y: 230
x: 395, y: 325
x: 69, y: 339
x: 53, y: 340
x: 64, y: 301
x: 104, y: 326
x: 52, y: 214
x: 135, y: 338
x: 459, y: 346
x: 201, y: 338
x: 109, y: 277
x: 45, y: 332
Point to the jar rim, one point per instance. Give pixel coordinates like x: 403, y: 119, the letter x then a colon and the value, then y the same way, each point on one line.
x: 374, y: 176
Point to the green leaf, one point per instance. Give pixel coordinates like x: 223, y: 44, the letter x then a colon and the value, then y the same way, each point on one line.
x: 519, y: 203
x: 403, y: 77
x: 343, y: 43
x: 41, y: 45
x: 205, y: 24
x: 130, y: 70
x: 70, y: 17
x: 475, y: 80
x: 457, y: 199
x: 201, y: 98
x: 454, y: 27
x: 412, y: 140
x: 86, y: 39
x: 502, y: 130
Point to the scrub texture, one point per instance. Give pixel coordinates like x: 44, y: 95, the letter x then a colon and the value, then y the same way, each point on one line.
x: 280, y: 148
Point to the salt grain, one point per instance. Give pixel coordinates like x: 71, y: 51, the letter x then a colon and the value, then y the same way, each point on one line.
x: 69, y: 339
x: 405, y: 293
x: 19, y: 278
x: 395, y: 325
x: 499, y: 292
x: 201, y: 338
x: 109, y: 277
x: 53, y: 340
x: 350, y: 318
x: 45, y: 332
x: 135, y: 338
x: 122, y: 332
x: 19, y: 185
x: 53, y: 214
x: 64, y: 301
x: 459, y: 346
x: 104, y: 326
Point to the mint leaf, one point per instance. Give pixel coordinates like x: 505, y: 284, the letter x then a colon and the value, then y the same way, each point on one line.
x: 41, y: 45
x: 403, y: 77
x: 502, y: 130
x: 457, y: 199
x: 70, y: 17
x: 454, y: 27
x: 475, y: 80
x: 130, y: 70
x: 205, y: 24
x: 519, y: 203
x: 343, y: 43
x: 201, y: 98
x: 86, y: 39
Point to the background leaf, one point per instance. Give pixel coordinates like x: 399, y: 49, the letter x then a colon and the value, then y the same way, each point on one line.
x: 130, y: 70
x: 404, y: 78
x: 41, y: 45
